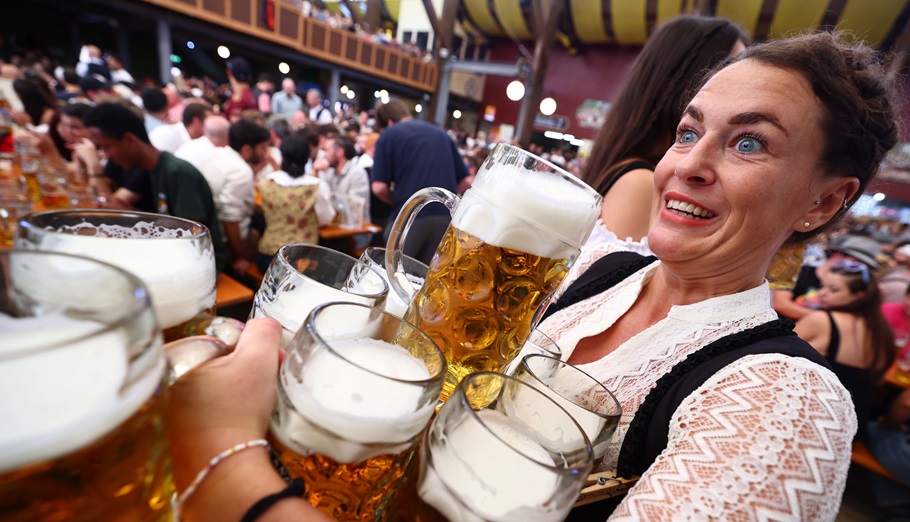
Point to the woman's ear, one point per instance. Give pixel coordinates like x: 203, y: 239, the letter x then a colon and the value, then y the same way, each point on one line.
x: 835, y: 193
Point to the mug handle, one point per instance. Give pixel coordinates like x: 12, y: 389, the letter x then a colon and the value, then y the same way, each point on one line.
x: 403, y: 223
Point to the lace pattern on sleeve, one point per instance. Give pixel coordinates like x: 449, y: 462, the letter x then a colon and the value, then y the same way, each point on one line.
x: 766, y: 438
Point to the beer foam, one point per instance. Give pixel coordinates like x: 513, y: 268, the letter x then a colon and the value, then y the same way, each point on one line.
x: 60, y: 399
x: 179, y: 277
x: 474, y: 469
x: 352, y: 412
x: 531, y: 211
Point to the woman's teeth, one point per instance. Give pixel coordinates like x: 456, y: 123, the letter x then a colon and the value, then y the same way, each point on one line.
x: 689, y: 210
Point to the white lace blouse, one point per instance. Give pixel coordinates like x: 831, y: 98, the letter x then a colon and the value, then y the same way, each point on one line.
x: 766, y: 438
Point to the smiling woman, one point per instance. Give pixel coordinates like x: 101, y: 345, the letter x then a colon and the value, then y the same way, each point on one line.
x: 726, y: 413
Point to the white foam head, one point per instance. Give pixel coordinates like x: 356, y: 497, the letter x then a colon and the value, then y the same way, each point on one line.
x: 541, y: 210
x: 362, y: 399
x: 178, y: 273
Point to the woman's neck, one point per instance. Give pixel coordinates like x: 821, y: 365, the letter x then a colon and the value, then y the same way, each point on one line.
x: 677, y: 287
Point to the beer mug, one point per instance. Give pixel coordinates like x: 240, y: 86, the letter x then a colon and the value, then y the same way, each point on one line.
x: 499, y: 450
x: 174, y: 257
x: 585, y: 398
x: 355, y: 392
x: 513, y: 237
x: 82, y: 377
x: 410, y: 275
x: 304, y: 276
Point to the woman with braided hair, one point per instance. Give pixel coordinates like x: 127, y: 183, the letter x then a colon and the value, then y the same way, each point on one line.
x: 640, y: 125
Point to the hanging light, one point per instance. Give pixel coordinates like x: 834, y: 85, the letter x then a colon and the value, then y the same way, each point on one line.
x: 547, y: 106
x: 456, y: 114
x: 516, y: 90
x: 224, y: 52
x: 284, y: 68
x: 418, y: 108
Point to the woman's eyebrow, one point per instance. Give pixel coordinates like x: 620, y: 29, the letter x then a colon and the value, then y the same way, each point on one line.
x: 757, y: 117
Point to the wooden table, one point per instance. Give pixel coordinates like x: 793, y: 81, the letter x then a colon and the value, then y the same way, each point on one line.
x: 229, y: 291
x: 332, y: 232
x: 896, y: 377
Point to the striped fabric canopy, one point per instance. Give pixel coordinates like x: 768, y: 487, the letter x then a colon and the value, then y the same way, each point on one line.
x: 879, y: 22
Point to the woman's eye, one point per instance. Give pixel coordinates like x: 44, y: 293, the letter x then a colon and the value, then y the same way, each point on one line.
x: 687, y: 137
x: 748, y: 145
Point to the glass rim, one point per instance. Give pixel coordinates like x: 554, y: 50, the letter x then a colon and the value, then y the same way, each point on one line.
x: 403, y: 257
x: 280, y: 257
x: 25, y: 223
x: 141, y: 301
x: 537, y: 331
x: 459, y: 390
x: 310, y: 326
x: 524, y: 363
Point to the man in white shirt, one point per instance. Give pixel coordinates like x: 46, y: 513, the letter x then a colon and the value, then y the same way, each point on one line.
x: 172, y: 137
x: 344, y: 176
x: 214, y: 134
x: 319, y: 113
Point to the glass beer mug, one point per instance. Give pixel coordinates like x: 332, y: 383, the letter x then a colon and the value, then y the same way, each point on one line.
x: 82, y: 393
x: 513, y: 237
x: 174, y: 257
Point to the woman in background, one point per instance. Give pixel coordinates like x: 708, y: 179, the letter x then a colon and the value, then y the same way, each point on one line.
x: 851, y: 332
x: 295, y: 204
x: 641, y: 124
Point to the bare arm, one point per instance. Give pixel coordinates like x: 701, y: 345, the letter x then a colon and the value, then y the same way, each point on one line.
x: 381, y: 190
x: 627, y: 205
x: 786, y: 306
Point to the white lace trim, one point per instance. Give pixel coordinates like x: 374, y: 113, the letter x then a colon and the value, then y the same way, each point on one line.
x: 766, y: 438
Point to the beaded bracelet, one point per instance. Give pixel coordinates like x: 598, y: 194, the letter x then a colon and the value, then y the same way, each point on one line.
x: 217, y: 459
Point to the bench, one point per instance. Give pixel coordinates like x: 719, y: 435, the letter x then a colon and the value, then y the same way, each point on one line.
x: 229, y: 291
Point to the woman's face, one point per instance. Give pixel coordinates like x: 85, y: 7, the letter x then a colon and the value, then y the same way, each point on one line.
x: 835, y: 291
x: 71, y: 129
x: 742, y: 173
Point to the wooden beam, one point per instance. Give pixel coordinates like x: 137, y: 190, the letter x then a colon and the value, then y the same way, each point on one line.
x: 442, y: 29
x: 374, y: 14
x: 542, y: 45
x: 434, y: 20
x: 355, y: 13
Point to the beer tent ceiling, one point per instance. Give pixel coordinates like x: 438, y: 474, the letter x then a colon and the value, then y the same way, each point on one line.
x: 629, y: 22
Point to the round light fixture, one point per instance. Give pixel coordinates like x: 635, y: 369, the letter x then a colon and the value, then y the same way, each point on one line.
x: 516, y: 90
x: 418, y: 108
x: 284, y: 68
x: 344, y: 89
x: 350, y: 95
x: 224, y: 52
x: 879, y: 196
x: 547, y: 106
x: 456, y: 114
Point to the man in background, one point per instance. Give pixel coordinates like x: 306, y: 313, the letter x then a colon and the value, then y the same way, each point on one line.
x: 178, y: 189
x: 286, y: 102
x: 412, y: 155
x: 319, y: 113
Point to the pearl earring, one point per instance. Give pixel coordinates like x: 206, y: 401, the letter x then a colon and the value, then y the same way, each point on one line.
x: 818, y: 201
x: 806, y: 224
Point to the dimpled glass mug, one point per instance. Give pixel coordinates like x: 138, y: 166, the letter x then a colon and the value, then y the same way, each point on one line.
x: 513, y: 237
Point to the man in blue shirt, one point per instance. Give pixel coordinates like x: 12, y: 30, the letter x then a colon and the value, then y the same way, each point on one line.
x: 412, y: 155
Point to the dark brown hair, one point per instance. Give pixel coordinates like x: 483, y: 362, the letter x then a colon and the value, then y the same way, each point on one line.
x: 879, y: 336
x: 643, y: 117
x: 395, y: 110
x: 858, y: 101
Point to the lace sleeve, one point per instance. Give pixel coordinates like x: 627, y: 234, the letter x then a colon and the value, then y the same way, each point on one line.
x: 766, y: 438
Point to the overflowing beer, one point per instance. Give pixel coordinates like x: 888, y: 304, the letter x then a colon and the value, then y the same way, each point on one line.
x: 512, y: 239
x: 82, y: 372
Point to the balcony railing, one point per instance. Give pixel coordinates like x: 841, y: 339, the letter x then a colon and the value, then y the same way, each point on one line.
x: 289, y: 27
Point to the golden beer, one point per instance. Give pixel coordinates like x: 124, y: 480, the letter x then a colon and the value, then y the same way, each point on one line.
x: 123, y: 476
x: 479, y: 300
x: 355, y: 491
